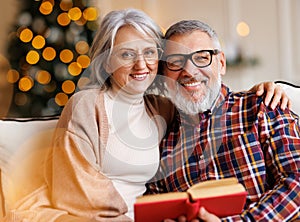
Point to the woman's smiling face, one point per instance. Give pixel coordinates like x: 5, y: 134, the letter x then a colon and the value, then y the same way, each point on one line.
x: 133, y: 63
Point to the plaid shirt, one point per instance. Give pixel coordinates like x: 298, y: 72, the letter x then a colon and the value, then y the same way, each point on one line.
x: 240, y: 137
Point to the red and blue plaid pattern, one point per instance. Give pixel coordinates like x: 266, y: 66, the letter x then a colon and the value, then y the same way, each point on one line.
x: 240, y: 137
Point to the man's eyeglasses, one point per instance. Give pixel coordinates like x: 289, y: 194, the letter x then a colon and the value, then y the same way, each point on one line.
x: 128, y: 56
x: 200, y: 59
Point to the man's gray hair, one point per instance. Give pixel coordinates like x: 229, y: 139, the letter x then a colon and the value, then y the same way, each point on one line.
x: 188, y: 26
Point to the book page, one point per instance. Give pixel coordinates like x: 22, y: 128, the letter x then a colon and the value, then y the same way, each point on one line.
x: 162, y: 197
x: 214, y: 183
x: 214, y: 191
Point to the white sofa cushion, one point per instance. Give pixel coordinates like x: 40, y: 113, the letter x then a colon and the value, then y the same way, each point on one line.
x: 23, y: 145
x: 293, y: 91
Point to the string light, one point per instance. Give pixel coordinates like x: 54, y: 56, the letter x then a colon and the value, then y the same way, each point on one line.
x: 26, y: 35
x: 12, y: 76
x: 61, y: 99
x: 46, y: 8
x: 38, y: 42
x: 51, y: 53
x: 43, y: 77
x: 74, y: 68
x: 83, y: 60
x: 25, y: 83
x: 75, y: 13
x: 66, y: 55
x: 32, y: 57
x: 68, y: 86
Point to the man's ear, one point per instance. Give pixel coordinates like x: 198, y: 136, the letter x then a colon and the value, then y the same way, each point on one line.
x: 222, y: 63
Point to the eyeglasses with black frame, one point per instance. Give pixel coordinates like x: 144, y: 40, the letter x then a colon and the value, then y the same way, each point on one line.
x: 200, y: 59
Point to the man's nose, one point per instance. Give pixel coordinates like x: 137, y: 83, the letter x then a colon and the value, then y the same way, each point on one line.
x: 189, y: 69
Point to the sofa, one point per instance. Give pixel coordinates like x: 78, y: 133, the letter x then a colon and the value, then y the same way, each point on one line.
x: 24, y: 142
x: 23, y: 145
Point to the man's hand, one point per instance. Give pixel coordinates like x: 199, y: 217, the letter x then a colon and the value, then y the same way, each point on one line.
x: 273, y: 93
x: 203, y: 216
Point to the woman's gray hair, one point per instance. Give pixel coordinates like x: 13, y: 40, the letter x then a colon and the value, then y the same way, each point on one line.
x: 188, y: 26
x: 103, y: 43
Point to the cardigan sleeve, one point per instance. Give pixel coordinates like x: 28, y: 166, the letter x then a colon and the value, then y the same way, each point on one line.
x: 73, y: 172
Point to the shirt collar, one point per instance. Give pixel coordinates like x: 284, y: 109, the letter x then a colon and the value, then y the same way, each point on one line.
x: 195, y: 119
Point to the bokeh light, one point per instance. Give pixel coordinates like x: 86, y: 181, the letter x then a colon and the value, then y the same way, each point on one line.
x: 25, y: 83
x: 243, y: 29
x: 63, y: 19
x: 68, y: 86
x: 32, y: 57
x: 38, y: 42
x: 43, y: 77
x: 20, y: 99
x: 75, y: 13
x: 82, y: 47
x: 82, y: 82
x: 49, y: 53
x: 66, y: 55
x: 26, y: 35
x: 12, y: 76
x: 90, y: 14
x: 74, y: 68
x: 46, y: 8
x: 61, y: 99
x: 66, y: 5
x: 84, y: 61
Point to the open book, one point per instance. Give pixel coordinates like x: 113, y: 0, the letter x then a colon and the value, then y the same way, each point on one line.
x: 223, y: 197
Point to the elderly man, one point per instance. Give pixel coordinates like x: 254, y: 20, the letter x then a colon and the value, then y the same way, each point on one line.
x: 219, y: 133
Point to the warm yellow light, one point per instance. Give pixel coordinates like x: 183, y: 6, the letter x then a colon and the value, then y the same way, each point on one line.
x: 49, y: 53
x: 75, y: 13
x: 20, y: 99
x: 38, y: 42
x: 26, y: 35
x: 46, y: 8
x: 66, y: 5
x: 25, y: 83
x: 12, y: 76
x: 50, y: 87
x: 81, y: 22
x: 43, y: 77
x: 84, y: 61
x: 66, y: 55
x: 90, y: 14
x: 243, y: 29
x: 74, y: 69
x: 61, y: 99
x: 82, y: 47
x: 63, y: 19
x: 68, y: 86
x: 32, y: 57
x: 83, y: 81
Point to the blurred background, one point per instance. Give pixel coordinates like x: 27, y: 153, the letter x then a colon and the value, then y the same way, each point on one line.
x: 44, y: 44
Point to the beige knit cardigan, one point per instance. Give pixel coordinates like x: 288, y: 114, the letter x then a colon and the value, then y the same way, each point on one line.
x: 74, y: 188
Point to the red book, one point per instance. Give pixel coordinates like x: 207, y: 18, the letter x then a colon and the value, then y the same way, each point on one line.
x: 223, y: 197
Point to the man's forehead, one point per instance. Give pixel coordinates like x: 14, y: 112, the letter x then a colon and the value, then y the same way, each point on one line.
x: 185, y: 44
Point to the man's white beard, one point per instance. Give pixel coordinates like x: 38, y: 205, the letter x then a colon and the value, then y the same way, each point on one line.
x: 189, y: 106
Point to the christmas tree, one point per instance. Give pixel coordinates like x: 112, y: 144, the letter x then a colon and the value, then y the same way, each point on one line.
x: 48, y: 52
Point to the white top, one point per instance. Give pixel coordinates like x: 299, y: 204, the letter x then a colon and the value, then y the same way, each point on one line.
x: 132, y: 154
